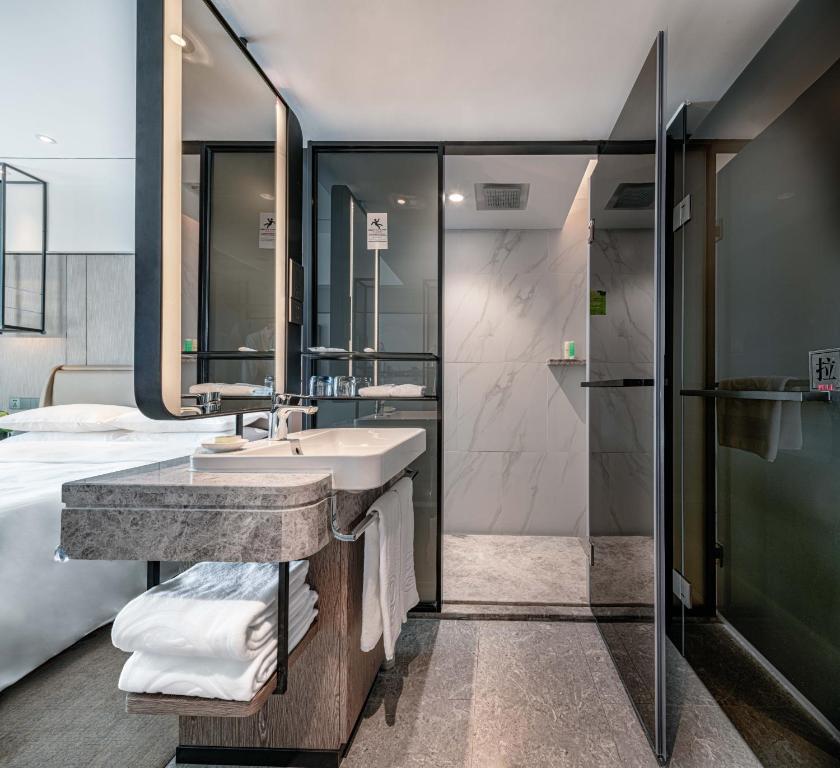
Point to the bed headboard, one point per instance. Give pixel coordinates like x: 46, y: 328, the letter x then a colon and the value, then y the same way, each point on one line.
x: 107, y: 384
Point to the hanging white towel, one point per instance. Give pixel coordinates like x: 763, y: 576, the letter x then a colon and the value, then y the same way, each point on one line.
x: 410, y: 597
x: 225, y: 610
x: 389, y: 588
x: 206, y: 677
x: 762, y: 427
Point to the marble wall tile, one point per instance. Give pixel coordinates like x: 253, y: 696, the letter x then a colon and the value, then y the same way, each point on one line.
x: 501, y: 407
x: 496, y: 251
x: 542, y: 493
x: 623, y: 251
x: 625, y: 333
x: 541, y: 311
x: 450, y: 406
x: 474, y: 318
x: 621, y: 492
x: 566, y: 413
x: 511, y: 298
x: 472, y: 490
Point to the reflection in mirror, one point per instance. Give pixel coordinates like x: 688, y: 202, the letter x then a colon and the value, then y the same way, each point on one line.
x: 225, y: 185
x: 23, y: 250
x: 229, y: 221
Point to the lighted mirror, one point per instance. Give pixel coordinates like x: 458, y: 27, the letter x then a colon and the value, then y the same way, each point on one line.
x: 217, y: 218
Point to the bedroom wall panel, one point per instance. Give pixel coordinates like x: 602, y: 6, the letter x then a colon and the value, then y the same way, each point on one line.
x: 90, y: 321
x: 110, y: 309
x: 76, y: 292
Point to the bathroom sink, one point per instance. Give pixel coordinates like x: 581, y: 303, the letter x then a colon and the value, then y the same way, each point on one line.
x: 358, y: 458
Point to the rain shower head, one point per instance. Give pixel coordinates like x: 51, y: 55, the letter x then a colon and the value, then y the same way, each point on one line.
x: 501, y: 197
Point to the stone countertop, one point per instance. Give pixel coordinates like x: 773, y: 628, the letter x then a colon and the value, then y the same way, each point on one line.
x: 167, y: 512
x: 173, y: 484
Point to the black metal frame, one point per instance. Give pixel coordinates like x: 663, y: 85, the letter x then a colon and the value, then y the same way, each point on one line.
x: 594, y: 147
x: 4, y: 181
x: 207, y: 151
x: 316, y: 148
x: 149, y: 202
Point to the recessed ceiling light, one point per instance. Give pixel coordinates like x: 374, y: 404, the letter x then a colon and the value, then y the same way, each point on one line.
x: 400, y: 201
x: 46, y: 139
x: 266, y: 196
x: 178, y: 40
x: 456, y: 197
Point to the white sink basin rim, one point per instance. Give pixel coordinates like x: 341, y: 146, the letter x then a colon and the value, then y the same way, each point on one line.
x: 358, y: 458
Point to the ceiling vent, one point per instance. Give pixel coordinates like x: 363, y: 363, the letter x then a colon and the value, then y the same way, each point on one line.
x: 633, y: 196
x: 501, y: 197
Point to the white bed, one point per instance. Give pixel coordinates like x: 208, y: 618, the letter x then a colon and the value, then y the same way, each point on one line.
x: 46, y: 605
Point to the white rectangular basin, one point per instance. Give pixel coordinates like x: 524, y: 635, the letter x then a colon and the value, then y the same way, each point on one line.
x: 358, y: 458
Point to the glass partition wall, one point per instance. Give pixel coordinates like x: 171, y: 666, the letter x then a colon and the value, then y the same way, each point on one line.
x: 756, y: 341
x: 375, y: 310
x: 625, y: 400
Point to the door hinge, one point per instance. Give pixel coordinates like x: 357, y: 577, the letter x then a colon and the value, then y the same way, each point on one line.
x: 681, y: 588
x: 682, y: 212
x: 719, y: 553
x: 591, y: 555
x: 590, y: 237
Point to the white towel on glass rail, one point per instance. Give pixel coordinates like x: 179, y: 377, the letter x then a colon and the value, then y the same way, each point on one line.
x: 390, y: 588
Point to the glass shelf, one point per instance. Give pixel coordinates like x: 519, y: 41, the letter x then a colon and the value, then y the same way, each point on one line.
x: 387, y: 356
x: 229, y: 355
x: 358, y: 398
x: 617, y: 383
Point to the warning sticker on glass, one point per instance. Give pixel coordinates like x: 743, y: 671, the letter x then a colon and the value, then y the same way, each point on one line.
x: 597, y: 302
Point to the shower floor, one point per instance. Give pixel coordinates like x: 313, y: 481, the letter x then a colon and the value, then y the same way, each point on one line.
x: 514, y: 570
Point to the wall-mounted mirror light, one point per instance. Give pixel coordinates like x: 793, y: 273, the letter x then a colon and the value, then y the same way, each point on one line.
x: 23, y: 250
x: 219, y: 183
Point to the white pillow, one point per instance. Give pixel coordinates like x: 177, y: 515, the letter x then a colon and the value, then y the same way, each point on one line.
x: 137, y: 422
x: 65, y: 437
x: 81, y: 417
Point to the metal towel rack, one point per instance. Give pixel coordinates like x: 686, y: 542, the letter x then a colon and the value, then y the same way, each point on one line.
x: 364, y: 523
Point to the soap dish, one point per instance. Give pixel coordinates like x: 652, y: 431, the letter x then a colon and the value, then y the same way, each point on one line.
x: 224, y: 447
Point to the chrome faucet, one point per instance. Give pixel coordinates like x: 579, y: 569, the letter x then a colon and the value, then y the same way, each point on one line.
x: 278, y: 420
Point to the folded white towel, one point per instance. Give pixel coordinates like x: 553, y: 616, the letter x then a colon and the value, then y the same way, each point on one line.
x: 327, y: 349
x: 393, y: 390
x: 389, y: 588
x: 231, y: 390
x: 208, y: 677
x: 225, y: 610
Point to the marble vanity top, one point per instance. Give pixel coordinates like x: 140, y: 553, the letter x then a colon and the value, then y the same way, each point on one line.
x: 173, y: 484
x: 168, y: 512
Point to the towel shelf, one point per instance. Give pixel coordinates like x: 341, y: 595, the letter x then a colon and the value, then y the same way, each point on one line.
x: 197, y: 706
x: 364, y: 523
x: 617, y: 383
x: 761, y: 394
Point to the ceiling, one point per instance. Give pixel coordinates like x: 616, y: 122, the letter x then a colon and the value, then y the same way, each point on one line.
x: 553, y: 180
x: 490, y: 69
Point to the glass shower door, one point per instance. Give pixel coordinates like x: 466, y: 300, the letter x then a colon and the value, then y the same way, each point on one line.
x: 626, y: 397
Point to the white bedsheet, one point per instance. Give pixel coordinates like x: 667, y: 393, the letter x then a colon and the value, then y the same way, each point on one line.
x: 47, y: 606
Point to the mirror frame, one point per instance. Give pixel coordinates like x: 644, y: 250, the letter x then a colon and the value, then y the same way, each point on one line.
x: 157, y: 344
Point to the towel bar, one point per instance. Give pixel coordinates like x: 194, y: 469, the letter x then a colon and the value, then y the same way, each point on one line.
x: 364, y: 523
